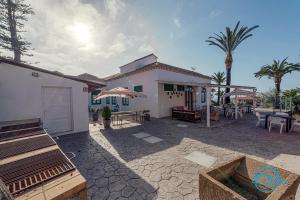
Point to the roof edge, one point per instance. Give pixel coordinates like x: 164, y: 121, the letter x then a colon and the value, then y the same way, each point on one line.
x: 155, y: 66
x: 151, y: 54
x: 12, y: 62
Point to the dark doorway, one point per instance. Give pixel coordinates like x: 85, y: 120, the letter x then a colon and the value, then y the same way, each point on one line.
x: 188, y: 94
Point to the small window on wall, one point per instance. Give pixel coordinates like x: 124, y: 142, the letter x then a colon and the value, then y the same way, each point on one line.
x: 138, y: 88
x: 113, y: 100
x: 125, y: 101
x: 203, y: 95
x: 93, y: 95
x: 107, y: 100
x: 168, y: 87
x: 180, y: 88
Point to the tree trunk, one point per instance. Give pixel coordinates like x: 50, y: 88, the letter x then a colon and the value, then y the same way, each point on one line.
x: 228, y: 82
x: 277, y: 93
x: 219, y: 94
x: 228, y: 64
x: 13, y: 31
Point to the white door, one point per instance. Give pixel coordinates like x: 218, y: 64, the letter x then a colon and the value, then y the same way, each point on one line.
x: 57, y: 109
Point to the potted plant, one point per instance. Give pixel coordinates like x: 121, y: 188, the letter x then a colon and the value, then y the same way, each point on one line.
x: 106, y: 114
x: 95, y: 114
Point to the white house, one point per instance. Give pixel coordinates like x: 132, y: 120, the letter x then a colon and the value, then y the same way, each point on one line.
x: 60, y: 101
x: 166, y: 86
x: 92, y: 103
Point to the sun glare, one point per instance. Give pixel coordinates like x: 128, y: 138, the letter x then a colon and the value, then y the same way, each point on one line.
x: 81, y: 33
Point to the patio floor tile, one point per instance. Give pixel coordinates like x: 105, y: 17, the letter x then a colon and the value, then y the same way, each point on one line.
x: 141, y: 135
x: 152, y: 139
x: 182, y: 125
x: 288, y: 162
x: 201, y: 158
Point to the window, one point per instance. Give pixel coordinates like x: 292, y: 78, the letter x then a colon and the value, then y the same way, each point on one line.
x: 180, y: 88
x: 107, y: 100
x: 168, y: 87
x: 125, y: 101
x: 113, y: 100
x: 203, y: 95
x: 138, y: 88
x: 93, y: 95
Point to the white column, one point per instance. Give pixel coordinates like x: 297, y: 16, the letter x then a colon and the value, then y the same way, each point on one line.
x: 254, y: 99
x: 236, y: 106
x: 208, y: 99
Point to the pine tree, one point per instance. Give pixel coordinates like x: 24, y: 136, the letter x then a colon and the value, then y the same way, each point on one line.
x: 13, y: 14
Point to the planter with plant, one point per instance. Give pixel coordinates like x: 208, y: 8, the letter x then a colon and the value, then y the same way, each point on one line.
x: 106, y: 114
x: 95, y: 114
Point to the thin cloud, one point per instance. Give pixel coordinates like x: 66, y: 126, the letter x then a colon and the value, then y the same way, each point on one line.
x: 146, y: 48
x: 75, y: 37
x: 177, y: 23
x: 215, y: 13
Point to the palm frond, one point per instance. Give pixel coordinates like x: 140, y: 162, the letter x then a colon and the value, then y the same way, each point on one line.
x: 231, y: 39
x: 278, y: 69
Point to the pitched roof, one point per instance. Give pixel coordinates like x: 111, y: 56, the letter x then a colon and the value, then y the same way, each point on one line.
x: 55, y: 73
x: 90, y: 77
x: 157, y: 65
x: 151, y: 54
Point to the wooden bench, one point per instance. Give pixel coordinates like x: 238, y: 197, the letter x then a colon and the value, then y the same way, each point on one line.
x: 185, y: 115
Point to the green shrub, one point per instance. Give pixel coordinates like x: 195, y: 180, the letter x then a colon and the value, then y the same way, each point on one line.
x: 106, y: 114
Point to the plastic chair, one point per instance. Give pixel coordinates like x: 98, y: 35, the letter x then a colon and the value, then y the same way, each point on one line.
x: 295, y: 123
x: 277, y: 121
x: 260, y: 118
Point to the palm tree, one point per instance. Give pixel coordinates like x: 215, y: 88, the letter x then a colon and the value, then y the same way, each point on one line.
x: 218, y: 78
x: 228, y: 42
x: 276, y: 71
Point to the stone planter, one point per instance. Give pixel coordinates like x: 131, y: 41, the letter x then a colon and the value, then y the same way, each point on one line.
x: 95, y: 117
x: 106, y: 123
x: 236, y: 180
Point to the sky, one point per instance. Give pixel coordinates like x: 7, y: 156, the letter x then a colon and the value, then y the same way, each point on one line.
x: 98, y: 36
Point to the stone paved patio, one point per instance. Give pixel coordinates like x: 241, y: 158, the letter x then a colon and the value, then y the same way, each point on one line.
x: 118, y: 165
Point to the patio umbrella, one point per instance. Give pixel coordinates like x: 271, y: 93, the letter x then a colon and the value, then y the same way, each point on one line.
x: 119, y: 92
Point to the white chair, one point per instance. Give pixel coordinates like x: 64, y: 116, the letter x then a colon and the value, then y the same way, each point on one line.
x: 278, y: 121
x: 260, y: 118
x: 230, y: 111
x: 240, y: 112
x: 295, y: 123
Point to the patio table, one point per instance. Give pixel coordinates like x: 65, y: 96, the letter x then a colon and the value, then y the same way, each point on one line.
x: 288, y: 121
x: 117, y: 115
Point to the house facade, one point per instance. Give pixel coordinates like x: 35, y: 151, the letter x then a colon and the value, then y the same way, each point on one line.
x: 92, y: 93
x: 166, y: 86
x: 59, y: 101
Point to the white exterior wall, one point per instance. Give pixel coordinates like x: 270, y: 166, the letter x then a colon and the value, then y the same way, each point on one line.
x: 150, y: 88
x: 21, y: 95
x: 166, y: 103
x: 138, y: 64
x: 157, y: 101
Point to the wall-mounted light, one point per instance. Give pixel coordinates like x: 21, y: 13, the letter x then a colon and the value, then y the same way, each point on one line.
x: 35, y: 74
